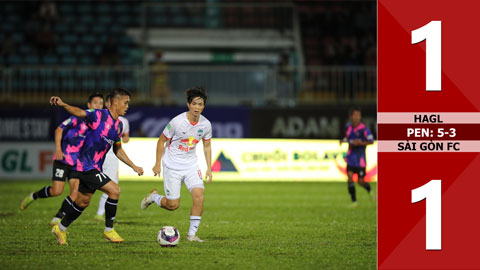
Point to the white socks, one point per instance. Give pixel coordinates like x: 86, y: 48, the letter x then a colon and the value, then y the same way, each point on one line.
x: 157, y: 198
x: 61, y: 227
x: 194, y: 223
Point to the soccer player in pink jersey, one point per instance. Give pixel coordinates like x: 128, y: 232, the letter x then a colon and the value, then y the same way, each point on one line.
x: 358, y: 137
x: 69, y: 139
x: 179, y: 160
x: 105, y: 132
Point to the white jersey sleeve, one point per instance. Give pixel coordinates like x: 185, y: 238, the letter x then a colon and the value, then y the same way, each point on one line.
x: 169, y: 130
x: 208, y: 130
x: 126, y: 125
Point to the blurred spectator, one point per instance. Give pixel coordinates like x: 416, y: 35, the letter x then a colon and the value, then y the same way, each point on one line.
x: 110, y: 53
x: 48, y: 12
x: 45, y: 40
x: 160, y: 89
x: 7, y: 47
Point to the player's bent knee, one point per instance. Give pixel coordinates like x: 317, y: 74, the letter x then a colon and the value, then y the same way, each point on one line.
x: 172, y: 205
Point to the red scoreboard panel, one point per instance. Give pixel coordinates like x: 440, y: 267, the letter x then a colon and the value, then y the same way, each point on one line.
x: 428, y: 134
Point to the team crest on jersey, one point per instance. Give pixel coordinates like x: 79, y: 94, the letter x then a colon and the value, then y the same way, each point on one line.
x: 200, y: 132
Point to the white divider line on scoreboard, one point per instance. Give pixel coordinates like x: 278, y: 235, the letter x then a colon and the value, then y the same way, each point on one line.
x: 446, y: 117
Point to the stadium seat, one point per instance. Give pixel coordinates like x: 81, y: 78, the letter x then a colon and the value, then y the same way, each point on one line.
x: 14, y: 59
x: 87, y: 19
x: 85, y: 60
x: 84, y: 8
x: 121, y: 9
x: 124, y: 20
x: 64, y: 49
x: 70, y: 38
x: 25, y: 49
x: 61, y: 28
x: 69, y: 60
x: 102, y: 8
x: 50, y: 60
x: 65, y: 8
x: 89, y: 39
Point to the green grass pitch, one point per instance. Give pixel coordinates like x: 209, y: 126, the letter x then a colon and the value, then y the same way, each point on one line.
x: 254, y: 225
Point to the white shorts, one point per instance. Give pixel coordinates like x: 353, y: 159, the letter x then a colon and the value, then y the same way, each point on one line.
x: 172, y: 181
x: 110, y: 166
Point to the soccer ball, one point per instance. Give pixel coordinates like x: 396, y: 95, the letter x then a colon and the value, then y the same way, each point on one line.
x: 168, y: 236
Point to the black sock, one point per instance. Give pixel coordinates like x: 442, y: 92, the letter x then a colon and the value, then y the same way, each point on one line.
x: 351, y: 190
x: 110, y: 212
x: 63, y: 209
x: 42, y: 193
x: 367, y: 187
x: 72, y: 212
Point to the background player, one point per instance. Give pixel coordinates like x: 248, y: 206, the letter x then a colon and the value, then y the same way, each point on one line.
x: 110, y: 166
x: 180, y: 160
x: 358, y: 137
x: 69, y: 138
x: 105, y: 130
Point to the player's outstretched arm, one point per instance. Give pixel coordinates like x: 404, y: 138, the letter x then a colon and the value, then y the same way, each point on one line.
x: 57, y: 101
x: 58, y: 143
x: 207, y: 150
x: 121, y: 155
x: 157, y: 168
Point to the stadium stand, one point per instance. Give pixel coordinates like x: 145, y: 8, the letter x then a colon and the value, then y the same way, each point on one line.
x: 77, y: 46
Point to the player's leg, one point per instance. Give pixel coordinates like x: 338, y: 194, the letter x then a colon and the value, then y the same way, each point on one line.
x: 351, y: 185
x: 110, y: 168
x: 172, y: 184
x: 113, y: 192
x: 60, y: 174
x: 365, y: 185
x: 72, y: 213
x: 194, y: 183
x: 73, y: 182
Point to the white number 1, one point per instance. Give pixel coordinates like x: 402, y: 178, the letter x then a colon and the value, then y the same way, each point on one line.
x: 432, y: 32
x: 432, y: 192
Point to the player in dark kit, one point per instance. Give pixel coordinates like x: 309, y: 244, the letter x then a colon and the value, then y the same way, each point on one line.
x: 106, y: 130
x: 358, y: 137
x: 69, y: 139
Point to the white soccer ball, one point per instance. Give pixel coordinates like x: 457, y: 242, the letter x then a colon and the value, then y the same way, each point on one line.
x: 168, y: 236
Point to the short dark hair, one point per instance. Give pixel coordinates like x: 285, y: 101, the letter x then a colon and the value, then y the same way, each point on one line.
x: 94, y: 95
x: 194, y: 92
x: 353, y: 109
x: 108, y: 97
x: 118, y: 92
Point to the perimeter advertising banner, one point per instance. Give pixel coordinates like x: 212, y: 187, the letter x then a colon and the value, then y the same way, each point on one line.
x: 260, y: 160
x: 428, y: 131
x: 26, y: 160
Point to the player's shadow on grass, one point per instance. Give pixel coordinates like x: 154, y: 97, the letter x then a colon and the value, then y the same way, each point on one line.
x: 7, y: 214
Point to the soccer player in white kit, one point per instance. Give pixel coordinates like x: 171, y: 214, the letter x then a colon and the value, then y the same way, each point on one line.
x: 110, y: 165
x: 180, y: 160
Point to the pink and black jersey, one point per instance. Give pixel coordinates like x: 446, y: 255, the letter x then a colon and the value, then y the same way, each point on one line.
x: 74, y: 133
x: 104, y: 132
x: 356, y: 154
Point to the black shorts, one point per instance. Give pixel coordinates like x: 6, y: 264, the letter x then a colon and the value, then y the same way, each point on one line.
x: 91, y: 180
x: 356, y: 170
x: 61, y: 171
